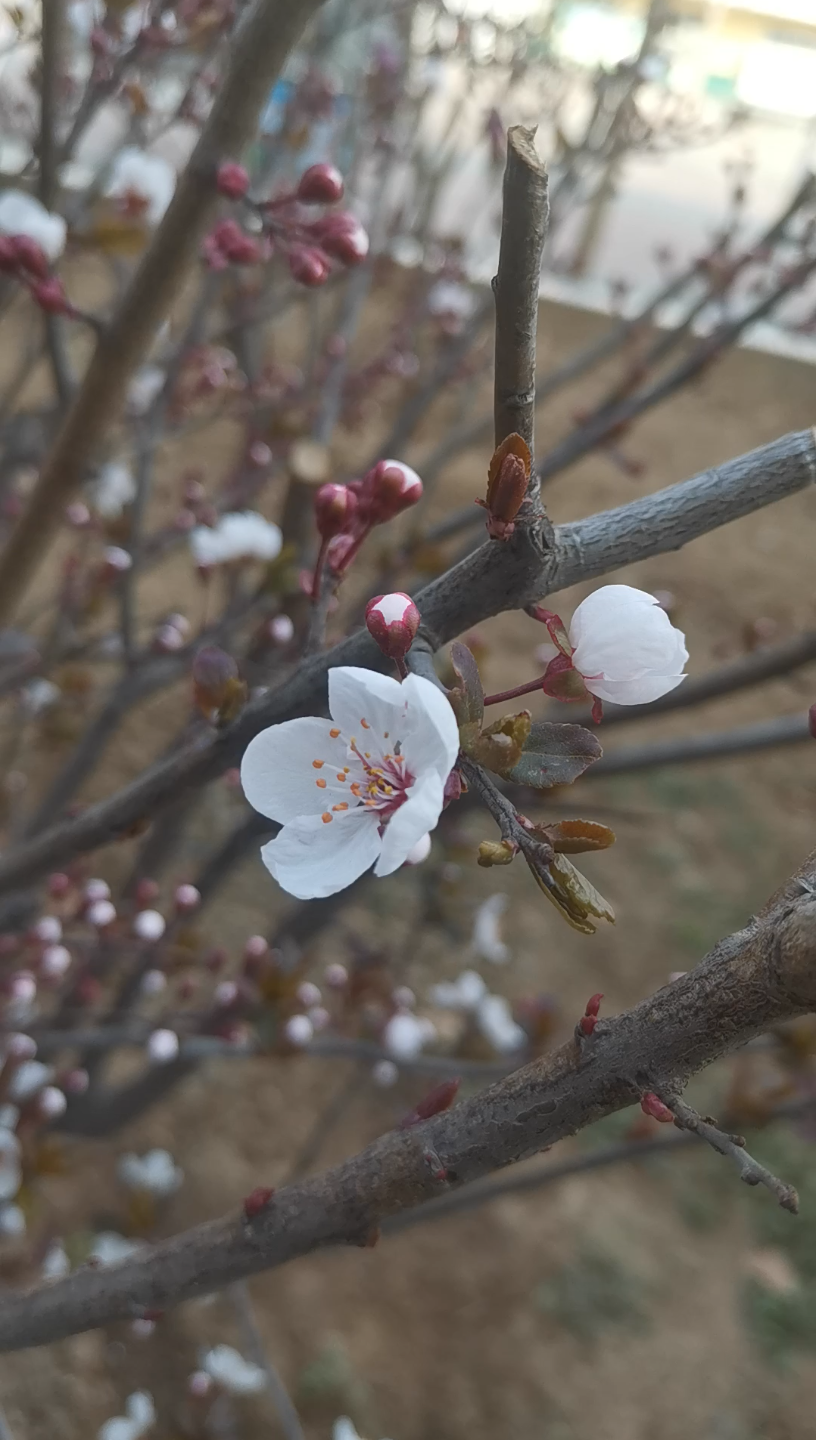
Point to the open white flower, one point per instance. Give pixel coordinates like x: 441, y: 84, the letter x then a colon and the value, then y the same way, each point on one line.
x: 140, y: 1414
x: 358, y: 790
x: 242, y: 535
x: 21, y: 214
x: 156, y: 1172
x: 232, y: 1372
x: 147, y: 179
x: 625, y: 647
x: 114, y: 488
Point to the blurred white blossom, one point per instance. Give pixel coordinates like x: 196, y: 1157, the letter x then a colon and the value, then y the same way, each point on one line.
x: 55, y: 1265
x: 143, y: 388
x: 109, y: 1248
x: 487, y: 941
x: 242, y: 535
x: 232, y: 1372
x: 139, y: 1416
x: 39, y: 695
x: 147, y: 179
x: 155, y: 1172
x: 28, y: 1078
x: 405, y: 1035
x: 113, y: 489
x: 21, y: 214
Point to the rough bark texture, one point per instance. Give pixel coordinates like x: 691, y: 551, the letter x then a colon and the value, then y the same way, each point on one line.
x: 761, y: 975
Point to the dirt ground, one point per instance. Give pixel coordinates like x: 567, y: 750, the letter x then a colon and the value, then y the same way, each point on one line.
x: 648, y: 1302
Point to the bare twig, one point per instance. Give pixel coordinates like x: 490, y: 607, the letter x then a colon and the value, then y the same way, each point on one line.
x: 256, y: 1350
x: 263, y: 40
x: 524, y: 229
x: 751, y: 980
x: 733, y: 1147
x: 50, y: 84
x: 493, y: 579
x: 714, y: 745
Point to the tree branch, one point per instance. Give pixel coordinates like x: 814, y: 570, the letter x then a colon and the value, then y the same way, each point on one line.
x: 751, y: 980
x: 260, y: 47
x: 764, y: 735
x: 524, y: 229
x: 733, y: 1147
x: 493, y: 579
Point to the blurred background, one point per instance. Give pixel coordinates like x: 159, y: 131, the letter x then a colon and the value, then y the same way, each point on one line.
x: 635, y: 1297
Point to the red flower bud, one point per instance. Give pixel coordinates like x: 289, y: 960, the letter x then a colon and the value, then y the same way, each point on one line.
x: 320, y: 185
x: 257, y: 1201
x: 343, y: 237
x: 308, y: 266
x: 334, y: 506
x: 51, y: 297
x: 650, y: 1104
x: 507, y: 480
x: 388, y: 489
x: 232, y: 180
x: 393, y: 621
x: 589, y: 1019
x: 146, y: 893
x: 8, y: 254
x: 440, y: 1098
x: 30, y: 255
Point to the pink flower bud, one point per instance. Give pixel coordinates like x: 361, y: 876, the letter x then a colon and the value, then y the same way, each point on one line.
x: 97, y: 890
x: 232, y: 180
x: 650, y: 1104
x: 255, y: 948
x: 320, y: 185
x: 52, y: 1103
x: 334, y: 507
x: 59, y: 885
x: 117, y: 561
x: 281, y: 629
x: 215, y: 676
x: 149, y: 925
x: 308, y: 266
x: 51, y: 297
x: 390, y: 488
x: 48, y: 929
x: 101, y: 914
x: 78, y: 515
x: 55, y: 961
x: 30, y: 255
x: 308, y: 994
x: 336, y: 976
x: 343, y: 237
x: 146, y: 892
x: 393, y: 621
x: 187, y: 897
x: 255, y: 1202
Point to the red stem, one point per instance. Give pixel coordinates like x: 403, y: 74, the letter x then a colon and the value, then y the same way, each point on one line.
x: 511, y: 694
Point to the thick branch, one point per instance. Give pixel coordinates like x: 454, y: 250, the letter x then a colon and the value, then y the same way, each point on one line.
x: 752, y: 980
x: 711, y: 745
x: 493, y: 579
x: 261, y: 46
x: 523, y: 232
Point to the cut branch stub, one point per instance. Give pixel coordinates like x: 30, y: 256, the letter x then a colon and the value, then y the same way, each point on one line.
x: 554, y: 755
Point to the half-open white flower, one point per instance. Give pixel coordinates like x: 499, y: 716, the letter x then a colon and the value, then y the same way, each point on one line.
x: 21, y: 214
x: 242, y: 535
x: 147, y: 180
x: 358, y: 790
x: 625, y: 647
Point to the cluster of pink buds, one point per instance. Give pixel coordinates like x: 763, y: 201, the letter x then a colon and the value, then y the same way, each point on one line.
x: 22, y: 257
x: 345, y: 514
x: 311, y: 246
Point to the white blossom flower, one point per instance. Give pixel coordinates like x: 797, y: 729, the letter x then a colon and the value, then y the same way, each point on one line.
x: 155, y: 1172
x: 232, y: 1372
x: 149, y: 925
x: 39, y: 695
x: 11, y: 1174
x: 163, y: 1046
x: 139, y: 1416
x: 97, y: 890
x: 358, y: 790
x: 450, y: 297
x: 144, y: 388
x: 299, y: 1030
x: 28, y: 1078
x: 461, y: 994
x: 109, y: 1248
x: 101, y: 914
x: 242, y: 535
x: 405, y: 1034
x: 48, y: 929
x: 55, y: 1265
x: 487, y: 941
x: 385, y: 1074
x: 21, y: 214
x: 52, y: 1102
x: 113, y: 489
x: 56, y: 959
x: 148, y: 179
x: 12, y: 1221
x: 625, y: 646
x: 498, y: 1026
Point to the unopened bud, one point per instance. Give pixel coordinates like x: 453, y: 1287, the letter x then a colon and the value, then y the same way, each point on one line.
x: 388, y: 489
x: 149, y: 925
x: 507, y: 480
x: 116, y: 561
x: 97, y: 890
x: 56, y: 959
x: 308, y: 266
x: 320, y: 185
x: 59, y: 885
x: 589, y: 1019
x: 257, y: 1200
x: 299, y: 1030
x: 652, y: 1105
x: 146, y: 892
x: 496, y: 852
x: 343, y: 237
x: 392, y: 621
x: 163, y: 1046
x: 187, y: 897
x: 440, y: 1098
x: 48, y: 929
x: 52, y: 1103
x: 232, y: 180
x: 101, y: 914
x: 334, y: 507
x: 215, y: 675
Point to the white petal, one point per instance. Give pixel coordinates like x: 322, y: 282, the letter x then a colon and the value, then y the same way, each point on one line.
x: 640, y: 690
x: 414, y: 819
x: 140, y: 1408
x: 21, y: 214
x: 310, y: 859
x: 356, y: 695
x: 419, y: 853
x: 279, y: 777
x: 617, y: 601
x: 430, y: 734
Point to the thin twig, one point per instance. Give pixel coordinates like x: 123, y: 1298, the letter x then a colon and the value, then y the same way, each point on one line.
x: 523, y: 232
x: 256, y: 1350
x: 733, y: 1147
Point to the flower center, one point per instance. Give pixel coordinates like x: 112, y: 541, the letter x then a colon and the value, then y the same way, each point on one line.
x: 384, y: 786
